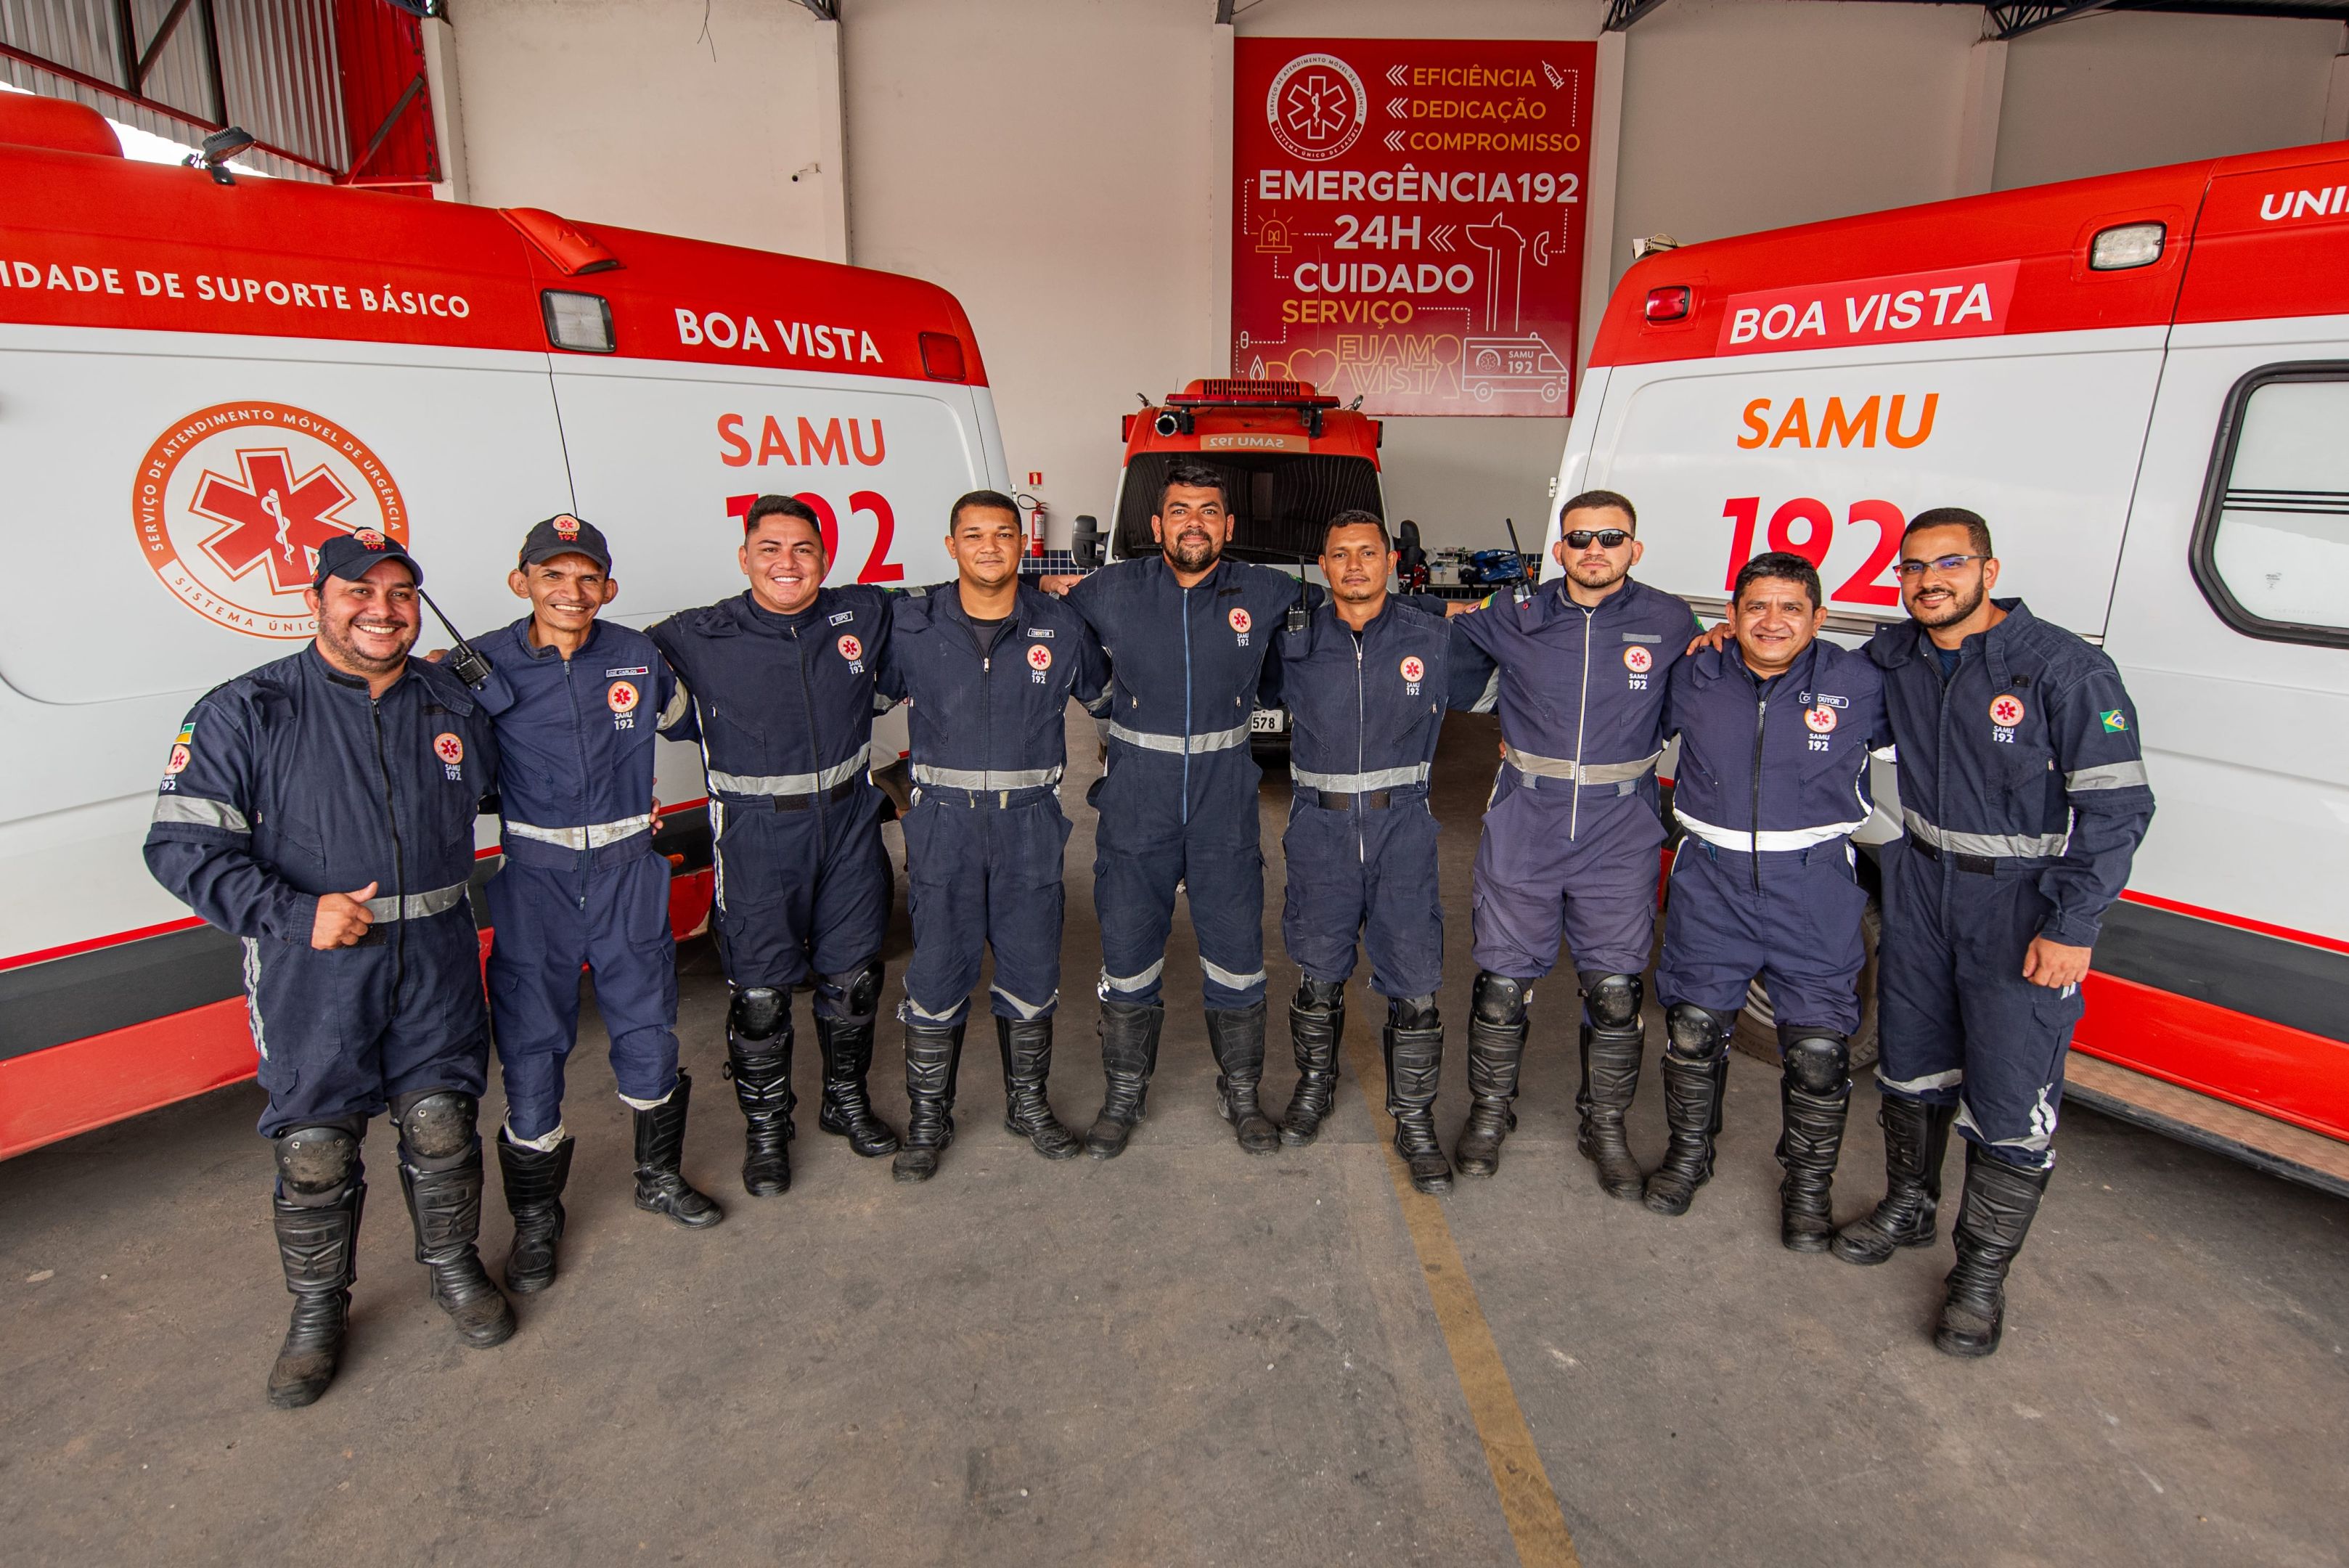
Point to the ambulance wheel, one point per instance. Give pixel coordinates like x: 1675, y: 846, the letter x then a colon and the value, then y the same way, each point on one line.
x: 1757, y: 1029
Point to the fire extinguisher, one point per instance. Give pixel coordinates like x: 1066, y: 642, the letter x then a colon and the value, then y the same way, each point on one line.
x: 1035, y: 510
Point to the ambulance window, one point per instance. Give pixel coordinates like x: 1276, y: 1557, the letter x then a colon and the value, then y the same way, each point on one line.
x: 2272, y: 547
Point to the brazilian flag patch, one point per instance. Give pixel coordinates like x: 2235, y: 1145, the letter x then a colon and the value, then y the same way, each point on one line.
x: 187, y: 733
x: 2112, y: 719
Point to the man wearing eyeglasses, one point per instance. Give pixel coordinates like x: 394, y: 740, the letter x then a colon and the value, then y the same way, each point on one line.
x: 1572, y: 831
x: 2025, y: 796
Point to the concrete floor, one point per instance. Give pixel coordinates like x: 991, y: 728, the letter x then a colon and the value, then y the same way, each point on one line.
x: 1184, y: 1357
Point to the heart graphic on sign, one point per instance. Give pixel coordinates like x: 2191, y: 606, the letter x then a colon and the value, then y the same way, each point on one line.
x: 1319, y: 366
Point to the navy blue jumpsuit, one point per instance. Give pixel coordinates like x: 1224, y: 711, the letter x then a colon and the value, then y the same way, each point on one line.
x: 291, y: 782
x: 1572, y: 833
x: 1178, y: 802
x: 580, y: 883
x: 2024, y: 797
x: 783, y: 707
x: 1773, y: 782
x: 1365, y: 711
x: 984, y: 837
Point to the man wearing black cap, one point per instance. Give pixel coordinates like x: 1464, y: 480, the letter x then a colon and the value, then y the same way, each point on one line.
x: 321, y: 808
x: 577, y: 701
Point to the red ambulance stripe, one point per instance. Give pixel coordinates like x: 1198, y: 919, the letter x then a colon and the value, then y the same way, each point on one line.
x: 2270, y: 1068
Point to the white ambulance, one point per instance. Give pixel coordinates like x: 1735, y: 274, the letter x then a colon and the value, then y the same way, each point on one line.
x: 2142, y: 381
x: 201, y: 381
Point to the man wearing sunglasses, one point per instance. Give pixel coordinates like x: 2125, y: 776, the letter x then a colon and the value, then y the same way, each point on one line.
x: 1572, y: 831
x: 2025, y: 796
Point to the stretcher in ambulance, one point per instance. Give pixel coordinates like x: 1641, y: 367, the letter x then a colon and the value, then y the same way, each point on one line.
x: 2142, y: 381
x: 200, y: 383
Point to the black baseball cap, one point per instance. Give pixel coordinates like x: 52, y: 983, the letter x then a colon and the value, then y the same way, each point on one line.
x: 353, y: 555
x: 563, y: 534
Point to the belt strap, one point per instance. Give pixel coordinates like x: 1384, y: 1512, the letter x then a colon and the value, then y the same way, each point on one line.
x: 1001, y: 799
x: 416, y: 905
x: 1991, y: 846
x: 1535, y: 766
x: 1220, y: 741
x: 596, y: 836
x: 1332, y: 800
x: 790, y: 784
x: 1767, y: 842
x: 989, y: 779
x: 1356, y: 783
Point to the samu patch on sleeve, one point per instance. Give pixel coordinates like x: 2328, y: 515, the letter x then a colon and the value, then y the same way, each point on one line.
x: 2112, y: 720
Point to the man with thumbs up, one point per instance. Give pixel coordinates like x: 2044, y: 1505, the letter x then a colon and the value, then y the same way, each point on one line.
x: 321, y: 809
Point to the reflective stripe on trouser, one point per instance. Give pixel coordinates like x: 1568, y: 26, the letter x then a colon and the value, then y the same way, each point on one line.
x: 979, y: 877
x: 800, y: 892
x: 1366, y: 875
x: 1146, y: 845
x: 1800, y: 933
x: 1958, y: 1023
x: 343, y: 1032
x: 1534, y: 885
x: 610, y: 914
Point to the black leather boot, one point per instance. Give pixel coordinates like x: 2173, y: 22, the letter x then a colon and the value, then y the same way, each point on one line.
x: 1026, y: 1045
x: 443, y: 1188
x: 1497, y: 1027
x: 1413, y: 1044
x: 534, y: 1180
x: 1992, y: 1220
x: 661, y: 1187
x: 318, y: 1245
x: 1236, y: 1036
x: 1613, y: 1041
x: 1317, y: 1022
x: 1916, y: 1141
x: 933, y: 1055
x: 848, y: 1109
x: 1129, y: 1037
x: 1813, y: 1098
x: 761, y: 1071
x: 1696, y: 1074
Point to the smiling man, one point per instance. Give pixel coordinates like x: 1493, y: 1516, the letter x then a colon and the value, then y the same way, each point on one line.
x: 779, y: 692
x: 1775, y: 733
x: 321, y: 809
x: 575, y: 701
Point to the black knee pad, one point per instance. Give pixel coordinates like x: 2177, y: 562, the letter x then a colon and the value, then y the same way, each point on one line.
x: 1612, y: 1000
x: 1499, y: 999
x: 1696, y: 1033
x: 1818, y: 1061
x: 437, y: 1125
x: 1319, y: 995
x: 313, y: 1163
x: 1413, y: 1012
x: 856, y: 991
x: 759, y: 1013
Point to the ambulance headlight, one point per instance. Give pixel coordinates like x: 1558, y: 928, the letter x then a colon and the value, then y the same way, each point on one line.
x: 582, y: 322
x: 2129, y: 245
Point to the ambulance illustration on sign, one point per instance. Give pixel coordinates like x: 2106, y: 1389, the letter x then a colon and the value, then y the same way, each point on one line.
x: 1526, y: 364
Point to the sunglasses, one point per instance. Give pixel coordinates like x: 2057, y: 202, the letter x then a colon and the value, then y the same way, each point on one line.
x: 1942, y: 564
x: 1609, y: 538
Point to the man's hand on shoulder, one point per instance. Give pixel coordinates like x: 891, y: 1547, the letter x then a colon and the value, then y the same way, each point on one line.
x: 1714, y: 638
x: 1057, y: 583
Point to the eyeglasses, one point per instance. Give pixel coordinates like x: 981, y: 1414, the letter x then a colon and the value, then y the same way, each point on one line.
x: 1609, y: 538
x: 1940, y: 564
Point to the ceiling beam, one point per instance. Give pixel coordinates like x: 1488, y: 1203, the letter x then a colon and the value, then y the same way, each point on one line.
x: 2006, y: 19
x: 1622, y: 14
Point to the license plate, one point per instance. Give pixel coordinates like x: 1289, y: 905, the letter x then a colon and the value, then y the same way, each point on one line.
x: 1268, y: 721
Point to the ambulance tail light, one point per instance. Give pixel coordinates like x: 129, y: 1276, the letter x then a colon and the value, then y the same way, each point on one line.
x: 2125, y: 246
x: 942, y: 358
x: 580, y: 322
x: 1668, y: 303
x: 1125, y: 427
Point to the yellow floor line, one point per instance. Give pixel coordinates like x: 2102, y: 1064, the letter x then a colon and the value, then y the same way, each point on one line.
x: 1537, y: 1525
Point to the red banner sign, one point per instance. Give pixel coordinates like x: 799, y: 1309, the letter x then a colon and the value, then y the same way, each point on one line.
x: 1408, y: 219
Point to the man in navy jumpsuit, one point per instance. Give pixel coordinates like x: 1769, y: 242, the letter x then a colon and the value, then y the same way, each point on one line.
x: 1572, y: 835
x: 1366, y: 680
x: 780, y: 693
x: 988, y: 666
x: 575, y: 700
x: 321, y: 808
x: 1776, y: 733
x: 1187, y: 633
x: 2023, y: 793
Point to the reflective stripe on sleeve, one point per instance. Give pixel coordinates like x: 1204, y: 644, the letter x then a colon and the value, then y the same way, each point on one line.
x: 201, y: 813
x: 679, y: 700
x: 2109, y: 775
x: 1490, y: 698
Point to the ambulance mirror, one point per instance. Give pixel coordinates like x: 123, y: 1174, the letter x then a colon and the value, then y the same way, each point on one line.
x: 2125, y: 246
x: 1085, y: 542
x: 582, y: 322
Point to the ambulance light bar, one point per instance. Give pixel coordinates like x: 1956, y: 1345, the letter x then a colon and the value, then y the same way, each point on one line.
x: 2127, y: 245
x: 1668, y: 303
x: 582, y: 322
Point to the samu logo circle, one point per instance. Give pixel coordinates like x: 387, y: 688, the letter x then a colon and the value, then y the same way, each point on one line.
x: 1315, y: 108
x: 1240, y: 622
x: 623, y: 697
x: 1039, y: 658
x: 232, y: 502
x: 1637, y: 660
x: 1415, y: 668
